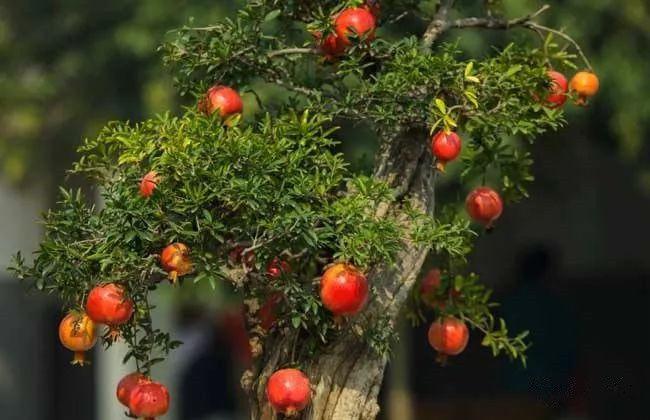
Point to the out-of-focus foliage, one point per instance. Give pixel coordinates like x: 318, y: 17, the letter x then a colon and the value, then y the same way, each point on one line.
x: 68, y: 66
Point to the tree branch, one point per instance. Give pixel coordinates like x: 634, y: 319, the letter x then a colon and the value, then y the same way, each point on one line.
x: 438, y: 25
x: 293, y: 51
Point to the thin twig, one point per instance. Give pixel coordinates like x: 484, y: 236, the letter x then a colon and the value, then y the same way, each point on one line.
x: 293, y: 51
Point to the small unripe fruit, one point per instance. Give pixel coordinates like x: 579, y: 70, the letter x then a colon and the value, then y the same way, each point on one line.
x: 448, y: 336
x: 585, y: 84
x: 175, y: 260
x: 222, y: 99
x: 149, y: 399
x: 126, y: 385
x: 277, y: 267
x: 107, y: 304
x: 484, y: 205
x: 354, y: 21
x: 148, y: 184
x: 288, y: 391
x: 557, y: 93
x: 77, y: 333
x: 343, y: 289
x: 445, y: 147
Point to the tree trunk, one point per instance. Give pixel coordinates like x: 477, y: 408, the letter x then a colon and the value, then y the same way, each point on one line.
x: 347, y: 376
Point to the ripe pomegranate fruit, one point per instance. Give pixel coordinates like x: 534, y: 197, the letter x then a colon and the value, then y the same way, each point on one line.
x: 126, y: 385
x: 484, y: 205
x: 148, y: 399
x: 557, y: 94
x: 585, y: 84
x: 221, y: 99
x: 445, y: 147
x: 77, y: 333
x: 355, y: 20
x: 268, y: 313
x: 448, y: 336
x: 277, y: 267
x: 106, y: 304
x: 288, y: 391
x: 148, y: 184
x: 175, y: 260
x: 343, y: 289
x: 330, y: 45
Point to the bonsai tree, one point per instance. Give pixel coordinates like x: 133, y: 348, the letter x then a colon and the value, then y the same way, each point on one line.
x: 326, y: 257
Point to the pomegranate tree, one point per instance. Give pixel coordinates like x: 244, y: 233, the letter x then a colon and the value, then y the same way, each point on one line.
x: 324, y: 254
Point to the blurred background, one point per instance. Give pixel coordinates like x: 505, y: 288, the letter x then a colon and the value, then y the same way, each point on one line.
x: 571, y: 264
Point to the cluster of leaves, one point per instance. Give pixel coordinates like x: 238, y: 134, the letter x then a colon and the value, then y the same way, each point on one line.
x: 274, y: 187
x: 464, y: 297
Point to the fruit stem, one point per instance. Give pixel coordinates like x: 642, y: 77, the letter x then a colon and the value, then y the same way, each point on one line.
x: 173, y: 277
x: 79, y: 359
x: 114, y: 333
x: 440, y: 166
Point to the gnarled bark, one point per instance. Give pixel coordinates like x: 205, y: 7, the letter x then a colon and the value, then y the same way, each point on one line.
x: 347, y: 375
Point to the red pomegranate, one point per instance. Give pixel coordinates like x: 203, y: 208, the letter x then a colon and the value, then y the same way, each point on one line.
x: 445, y: 147
x: 557, y: 94
x: 175, y: 260
x: 148, y: 399
x: 148, y: 184
x: 107, y: 304
x: 268, y: 313
x: 331, y: 46
x: 126, y: 385
x: 429, y: 288
x: 354, y: 21
x: 222, y: 99
x: 277, y: 267
x: 343, y: 289
x: 448, y: 336
x: 288, y: 391
x: 484, y: 205
x: 236, y: 256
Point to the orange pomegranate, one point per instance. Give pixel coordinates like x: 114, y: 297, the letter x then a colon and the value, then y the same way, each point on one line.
x: 176, y: 261
x: 585, y: 84
x: 77, y: 333
x: 148, y: 184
